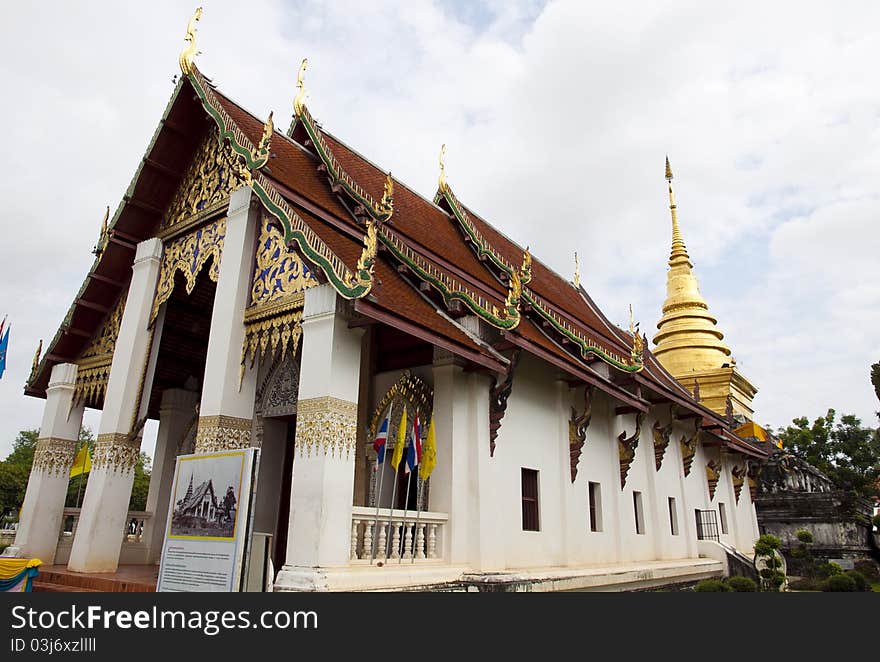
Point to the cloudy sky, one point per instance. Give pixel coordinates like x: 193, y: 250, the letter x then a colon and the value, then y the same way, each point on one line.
x: 556, y: 115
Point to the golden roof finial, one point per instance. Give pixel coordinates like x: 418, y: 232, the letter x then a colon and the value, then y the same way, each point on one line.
x: 577, y: 271
x: 638, y: 344
x: 679, y: 251
x: 37, y: 357
x: 188, y: 53
x: 442, y: 183
x: 388, y: 194
x: 300, y: 100
x: 102, y: 239
x: 525, y: 270
x: 260, y: 154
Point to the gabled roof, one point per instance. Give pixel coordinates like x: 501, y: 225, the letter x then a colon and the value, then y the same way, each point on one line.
x: 438, y: 259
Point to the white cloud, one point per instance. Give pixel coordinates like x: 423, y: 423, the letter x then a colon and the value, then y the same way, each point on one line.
x: 556, y: 118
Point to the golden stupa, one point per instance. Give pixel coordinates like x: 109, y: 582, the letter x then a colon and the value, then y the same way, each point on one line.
x: 688, y: 340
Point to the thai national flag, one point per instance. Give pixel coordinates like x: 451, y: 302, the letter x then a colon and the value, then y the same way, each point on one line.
x: 414, y: 450
x: 381, y: 438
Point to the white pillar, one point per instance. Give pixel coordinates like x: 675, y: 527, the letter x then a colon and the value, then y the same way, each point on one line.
x: 461, y: 484
x: 43, y: 507
x: 226, y: 412
x: 98, y: 537
x: 176, y: 413
x: 322, y: 484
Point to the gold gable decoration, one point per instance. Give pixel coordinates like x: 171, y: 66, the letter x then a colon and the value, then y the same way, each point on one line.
x: 188, y: 254
x: 269, y: 335
x: 95, y: 361
x: 272, y: 322
x: 280, y: 272
x: 213, y: 174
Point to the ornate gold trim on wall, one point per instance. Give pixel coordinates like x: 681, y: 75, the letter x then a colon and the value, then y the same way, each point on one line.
x: 414, y: 391
x: 95, y: 360
x: 213, y: 174
x: 326, y: 426
x: 188, y: 254
x: 117, y: 452
x: 280, y: 272
x: 54, y: 456
x: 223, y: 433
x: 273, y: 333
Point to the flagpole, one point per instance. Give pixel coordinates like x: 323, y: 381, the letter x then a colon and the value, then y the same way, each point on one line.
x: 374, y: 546
x: 405, y: 509
x: 380, y: 467
x: 418, y: 516
x: 388, y: 536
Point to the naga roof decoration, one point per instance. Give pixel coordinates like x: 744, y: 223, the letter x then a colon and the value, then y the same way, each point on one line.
x: 533, y: 302
x: 349, y: 285
x: 382, y: 210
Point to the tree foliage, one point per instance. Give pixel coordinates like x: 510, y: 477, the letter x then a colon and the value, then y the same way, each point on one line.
x: 846, y: 452
x: 16, y: 468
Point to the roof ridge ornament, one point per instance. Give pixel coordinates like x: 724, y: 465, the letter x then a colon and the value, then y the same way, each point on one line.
x: 444, y: 187
x: 299, y: 100
x: 387, y: 202
x: 525, y: 271
x: 189, y: 53
x: 260, y: 155
x: 36, y: 362
x: 102, y: 239
x: 577, y: 271
x: 638, y: 344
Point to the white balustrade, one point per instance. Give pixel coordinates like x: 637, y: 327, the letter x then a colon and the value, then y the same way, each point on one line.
x: 410, y: 541
x: 132, y: 540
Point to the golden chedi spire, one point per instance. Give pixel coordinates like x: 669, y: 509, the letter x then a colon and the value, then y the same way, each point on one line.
x: 688, y: 341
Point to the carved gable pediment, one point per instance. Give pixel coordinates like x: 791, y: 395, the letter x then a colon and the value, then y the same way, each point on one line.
x: 214, y: 173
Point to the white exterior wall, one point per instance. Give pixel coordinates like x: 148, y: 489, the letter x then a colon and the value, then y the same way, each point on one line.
x: 483, y: 495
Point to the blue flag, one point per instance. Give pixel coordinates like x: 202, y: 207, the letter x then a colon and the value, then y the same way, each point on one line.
x: 4, y: 343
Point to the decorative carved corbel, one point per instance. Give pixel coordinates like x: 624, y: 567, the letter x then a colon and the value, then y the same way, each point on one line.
x: 661, y: 441
x: 738, y: 474
x: 498, y: 400
x: 577, y: 430
x: 713, y: 474
x: 689, y: 448
x: 627, y: 447
x: 753, y: 473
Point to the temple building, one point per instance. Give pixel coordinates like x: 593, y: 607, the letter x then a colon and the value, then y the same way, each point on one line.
x: 688, y: 342
x: 277, y: 290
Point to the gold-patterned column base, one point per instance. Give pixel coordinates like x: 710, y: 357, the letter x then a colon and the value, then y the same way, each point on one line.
x: 223, y: 433
x: 116, y: 452
x: 54, y: 456
x: 326, y: 426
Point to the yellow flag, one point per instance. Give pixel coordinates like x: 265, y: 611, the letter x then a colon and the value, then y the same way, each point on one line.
x: 429, y: 453
x: 82, y: 464
x: 398, y: 445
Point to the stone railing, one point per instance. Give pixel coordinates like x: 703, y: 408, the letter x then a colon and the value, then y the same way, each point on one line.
x: 132, y: 539
x: 399, y: 536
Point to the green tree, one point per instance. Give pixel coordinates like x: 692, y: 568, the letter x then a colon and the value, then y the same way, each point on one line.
x: 846, y: 452
x: 16, y: 469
